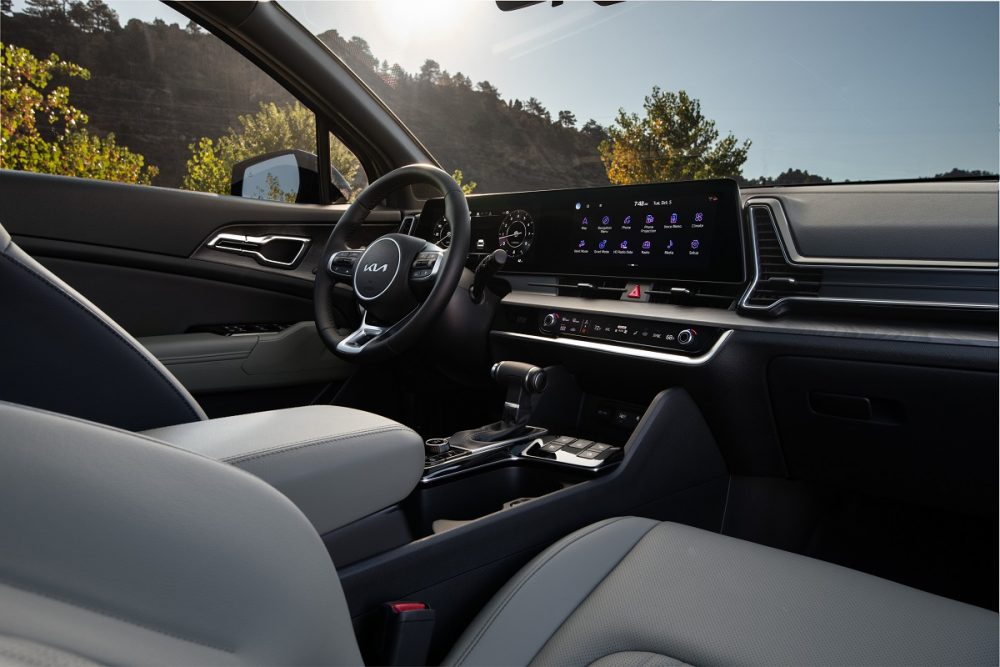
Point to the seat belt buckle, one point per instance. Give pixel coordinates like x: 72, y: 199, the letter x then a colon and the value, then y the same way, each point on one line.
x: 407, y: 628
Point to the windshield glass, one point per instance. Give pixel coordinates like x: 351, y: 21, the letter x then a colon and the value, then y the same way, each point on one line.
x: 579, y: 94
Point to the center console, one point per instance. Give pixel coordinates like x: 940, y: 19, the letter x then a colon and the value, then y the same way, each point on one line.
x: 513, y: 437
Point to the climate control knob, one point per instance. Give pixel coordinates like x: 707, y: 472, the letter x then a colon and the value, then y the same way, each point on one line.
x: 550, y: 322
x: 686, y: 337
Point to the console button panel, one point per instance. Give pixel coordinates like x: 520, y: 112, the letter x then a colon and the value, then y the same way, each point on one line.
x: 675, y: 337
x: 573, y: 451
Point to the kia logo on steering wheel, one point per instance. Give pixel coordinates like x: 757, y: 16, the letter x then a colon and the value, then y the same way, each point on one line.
x: 375, y: 267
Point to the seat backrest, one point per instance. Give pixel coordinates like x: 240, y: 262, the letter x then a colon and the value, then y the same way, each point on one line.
x: 121, y: 549
x: 61, y: 353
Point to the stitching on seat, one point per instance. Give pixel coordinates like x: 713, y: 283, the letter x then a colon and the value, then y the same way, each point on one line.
x: 156, y: 371
x: 527, y: 577
x: 303, y: 444
x: 101, y: 612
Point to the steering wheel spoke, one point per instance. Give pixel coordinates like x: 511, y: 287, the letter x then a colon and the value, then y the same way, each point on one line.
x: 427, y: 264
x: 343, y: 263
x: 354, y: 343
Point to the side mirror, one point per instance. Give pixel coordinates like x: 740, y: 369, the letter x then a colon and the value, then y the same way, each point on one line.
x: 290, y: 176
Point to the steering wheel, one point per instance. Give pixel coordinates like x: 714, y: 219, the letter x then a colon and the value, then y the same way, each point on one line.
x: 402, y: 282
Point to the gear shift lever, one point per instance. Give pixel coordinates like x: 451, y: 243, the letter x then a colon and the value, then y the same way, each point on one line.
x: 522, y: 381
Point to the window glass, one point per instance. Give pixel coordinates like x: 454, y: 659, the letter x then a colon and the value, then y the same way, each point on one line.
x: 574, y: 94
x: 137, y: 93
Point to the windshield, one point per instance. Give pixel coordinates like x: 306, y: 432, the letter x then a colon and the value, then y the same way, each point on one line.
x: 579, y: 94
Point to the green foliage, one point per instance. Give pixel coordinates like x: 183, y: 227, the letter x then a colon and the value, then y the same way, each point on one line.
x: 272, y: 128
x: 672, y: 141
x: 41, y: 131
x: 467, y: 188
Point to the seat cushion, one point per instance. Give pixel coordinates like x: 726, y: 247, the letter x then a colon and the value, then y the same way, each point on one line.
x: 633, y: 591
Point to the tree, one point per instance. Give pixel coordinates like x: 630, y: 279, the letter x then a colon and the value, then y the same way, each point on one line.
x: 787, y: 177
x: 192, y: 28
x: 673, y: 141
x: 488, y: 89
x: 566, y: 118
x: 430, y: 71
x: 45, y: 8
x: 362, y: 52
x: 467, y: 187
x: 62, y: 145
x: 966, y: 173
x: 6, y: 7
x: 272, y: 128
x: 535, y: 108
x: 594, y: 130
x: 103, y: 18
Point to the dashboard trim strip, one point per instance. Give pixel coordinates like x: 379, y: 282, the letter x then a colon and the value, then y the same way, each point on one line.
x: 608, y: 348
x: 795, y: 258
x: 748, y: 294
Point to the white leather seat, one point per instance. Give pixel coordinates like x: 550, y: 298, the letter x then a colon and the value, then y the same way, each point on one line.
x: 121, y: 549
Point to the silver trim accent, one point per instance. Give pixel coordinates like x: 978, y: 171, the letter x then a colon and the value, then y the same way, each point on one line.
x: 399, y: 260
x: 795, y: 258
x: 744, y: 302
x: 653, y: 355
x: 260, y: 242
x: 348, y: 344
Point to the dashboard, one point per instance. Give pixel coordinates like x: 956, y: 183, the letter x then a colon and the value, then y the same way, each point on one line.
x: 687, y: 231
x: 669, y: 272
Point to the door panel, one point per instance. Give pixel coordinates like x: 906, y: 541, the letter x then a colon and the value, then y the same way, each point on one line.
x: 139, y: 253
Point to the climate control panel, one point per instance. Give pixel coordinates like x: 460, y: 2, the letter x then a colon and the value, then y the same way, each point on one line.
x: 685, y: 338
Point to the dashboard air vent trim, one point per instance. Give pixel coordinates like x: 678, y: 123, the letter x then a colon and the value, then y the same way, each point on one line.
x: 773, y: 210
x: 792, y: 254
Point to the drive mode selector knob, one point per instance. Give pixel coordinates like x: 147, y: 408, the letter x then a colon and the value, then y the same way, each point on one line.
x: 550, y: 322
x: 686, y: 337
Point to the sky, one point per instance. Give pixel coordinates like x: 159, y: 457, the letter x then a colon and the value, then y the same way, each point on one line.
x: 853, y: 90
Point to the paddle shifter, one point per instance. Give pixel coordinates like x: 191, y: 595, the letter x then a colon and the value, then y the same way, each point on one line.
x: 522, y: 380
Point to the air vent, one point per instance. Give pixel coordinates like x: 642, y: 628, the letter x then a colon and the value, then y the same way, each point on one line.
x: 776, y: 278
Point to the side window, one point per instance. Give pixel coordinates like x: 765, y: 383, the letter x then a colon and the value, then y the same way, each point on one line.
x: 151, y: 98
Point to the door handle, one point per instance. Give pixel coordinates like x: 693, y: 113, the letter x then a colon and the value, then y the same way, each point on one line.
x: 284, y: 252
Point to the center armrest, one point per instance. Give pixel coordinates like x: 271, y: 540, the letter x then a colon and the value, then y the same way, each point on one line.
x: 337, y: 464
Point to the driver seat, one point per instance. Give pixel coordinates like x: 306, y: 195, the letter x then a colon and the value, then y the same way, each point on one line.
x: 61, y: 353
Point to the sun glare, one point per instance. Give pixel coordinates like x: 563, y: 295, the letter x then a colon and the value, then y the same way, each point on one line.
x: 407, y: 21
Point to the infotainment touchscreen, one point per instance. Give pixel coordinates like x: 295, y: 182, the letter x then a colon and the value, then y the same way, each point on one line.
x: 683, y: 231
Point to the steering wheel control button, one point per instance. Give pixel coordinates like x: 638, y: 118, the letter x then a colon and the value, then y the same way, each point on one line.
x: 342, y: 263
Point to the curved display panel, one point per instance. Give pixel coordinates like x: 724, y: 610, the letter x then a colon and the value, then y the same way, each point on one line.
x: 680, y: 231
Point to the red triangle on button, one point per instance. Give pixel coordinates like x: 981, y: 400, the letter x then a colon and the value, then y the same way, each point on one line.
x: 634, y: 293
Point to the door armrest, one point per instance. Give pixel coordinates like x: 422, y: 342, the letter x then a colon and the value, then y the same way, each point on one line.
x: 337, y: 464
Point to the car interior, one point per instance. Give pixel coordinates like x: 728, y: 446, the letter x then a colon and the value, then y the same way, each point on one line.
x: 677, y: 422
